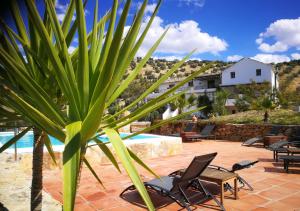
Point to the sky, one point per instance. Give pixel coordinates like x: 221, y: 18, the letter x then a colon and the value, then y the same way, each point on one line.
x: 228, y: 30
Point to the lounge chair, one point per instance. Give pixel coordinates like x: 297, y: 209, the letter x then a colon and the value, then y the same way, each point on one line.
x: 287, y: 159
x: 281, y: 147
x: 235, y: 167
x: 205, y: 133
x: 189, y: 128
x: 274, y: 131
x: 176, y: 187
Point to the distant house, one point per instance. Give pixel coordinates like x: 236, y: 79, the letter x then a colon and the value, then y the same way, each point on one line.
x: 243, y: 72
x: 206, y: 83
x: 247, y: 70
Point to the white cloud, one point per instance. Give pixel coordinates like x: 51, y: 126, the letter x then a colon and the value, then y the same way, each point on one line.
x: 271, y: 58
x: 234, y: 58
x: 295, y: 56
x: 176, y: 57
x: 285, y: 32
x: 71, y: 49
x: 61, y: 10
x: 196, y: 3
x: 259, y: 41
x: 276, y: 47
x: 169, y: 58
x: 150, y: 8
x: 181, y: 38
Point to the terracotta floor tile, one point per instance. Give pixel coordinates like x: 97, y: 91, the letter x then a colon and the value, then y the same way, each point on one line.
x: 83, y: 207
x: 274, y: 194
x: 292, y: 201
x: 255, y: 199
x: 270, y: 183
x: 281, y: 206
x: 262, y: 209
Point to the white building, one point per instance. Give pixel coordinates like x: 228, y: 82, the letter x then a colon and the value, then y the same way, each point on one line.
x: 244, y: 72
x: 247, y: 70
x: 204, y: 84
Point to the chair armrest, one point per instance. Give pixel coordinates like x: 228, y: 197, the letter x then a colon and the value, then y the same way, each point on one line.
x: 219, y: 168
x: 177, y: 173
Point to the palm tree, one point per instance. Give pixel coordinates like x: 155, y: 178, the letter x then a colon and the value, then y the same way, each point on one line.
x: 37, y: 170
x: 88, y: 81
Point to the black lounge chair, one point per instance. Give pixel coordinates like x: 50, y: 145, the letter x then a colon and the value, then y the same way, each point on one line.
x: 235, y: 167
x: 205, y: 133
x: 273, y: 132
x: 188, y: 128
x: 176, y: 187
x: 281, y: 147
x: 287, y: 159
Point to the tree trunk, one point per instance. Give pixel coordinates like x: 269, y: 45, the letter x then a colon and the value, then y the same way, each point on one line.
x: 266, y: 117
x: 37, y: 170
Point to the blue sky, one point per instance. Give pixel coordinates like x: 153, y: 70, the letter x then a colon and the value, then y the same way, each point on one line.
x: 267, y: 30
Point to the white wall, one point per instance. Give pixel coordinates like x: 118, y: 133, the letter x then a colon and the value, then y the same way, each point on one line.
x: 245, y: 72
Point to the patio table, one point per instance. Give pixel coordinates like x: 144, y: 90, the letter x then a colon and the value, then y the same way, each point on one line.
x: 268, y: 140
x: 221, y: 178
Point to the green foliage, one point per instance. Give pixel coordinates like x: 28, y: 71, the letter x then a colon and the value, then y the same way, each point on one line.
x: 278, y: 116
x: 220, y: 101
x: 203, y: 100
x: 135, y: 88
x: 89, y: 80
x: 241, y: 104
x: 191, y: 100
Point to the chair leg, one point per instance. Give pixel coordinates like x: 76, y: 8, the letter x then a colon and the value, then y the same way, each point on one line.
x: 244, y: 182
x: 216, y: 200
x: 286, y: 165
x: 227, y: 187
x: 184, y: 204
x: 208, y: 194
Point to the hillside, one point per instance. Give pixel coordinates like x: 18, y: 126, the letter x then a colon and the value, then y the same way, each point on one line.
x: 289, y: 76
x: 289, y: 72
x: 279, y: 117
x: 155, y: 68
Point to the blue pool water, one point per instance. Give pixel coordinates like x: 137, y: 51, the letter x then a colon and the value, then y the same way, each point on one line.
x: 27, y: 140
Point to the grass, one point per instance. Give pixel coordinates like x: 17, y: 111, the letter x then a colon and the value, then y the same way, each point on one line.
x: 278, y: 117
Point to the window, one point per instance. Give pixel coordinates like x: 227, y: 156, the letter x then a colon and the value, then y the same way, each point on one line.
x: 211, y: 84
x: 232, y: 74
x: 191, y: 83
x: 258, y: 72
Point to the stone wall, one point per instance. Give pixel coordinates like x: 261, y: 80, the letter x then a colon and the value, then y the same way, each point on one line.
x: 232, y: 132
x: 143, y: 148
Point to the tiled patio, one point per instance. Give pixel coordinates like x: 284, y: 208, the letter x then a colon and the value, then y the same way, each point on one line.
x: 273, y: 188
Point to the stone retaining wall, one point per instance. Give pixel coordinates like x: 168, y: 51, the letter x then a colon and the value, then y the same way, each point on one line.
x: 143, y: 148
x: 232, y: 132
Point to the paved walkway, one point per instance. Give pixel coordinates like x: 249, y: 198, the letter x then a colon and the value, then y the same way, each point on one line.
x: 273, y: 188
x: 15, y: 187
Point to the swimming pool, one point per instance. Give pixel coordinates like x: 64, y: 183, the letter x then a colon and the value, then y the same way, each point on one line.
x: 144, y: 145
x: 27, y: 140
